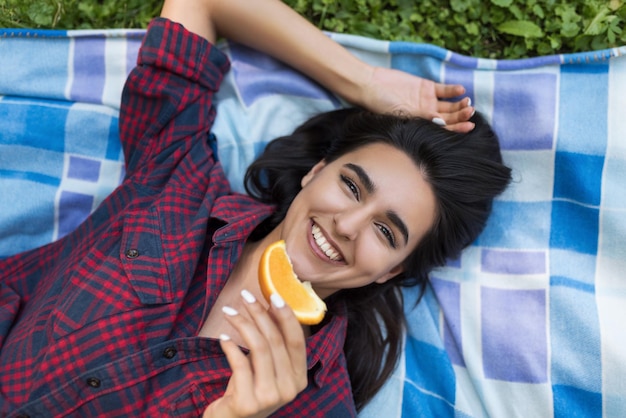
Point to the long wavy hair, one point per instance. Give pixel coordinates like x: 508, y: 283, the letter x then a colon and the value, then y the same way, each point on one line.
x: 465, y: 173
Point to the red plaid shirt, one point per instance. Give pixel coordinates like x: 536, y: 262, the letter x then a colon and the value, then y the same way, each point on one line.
x: 104, y: 321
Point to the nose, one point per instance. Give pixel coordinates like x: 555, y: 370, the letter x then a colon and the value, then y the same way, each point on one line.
x: 349, y: 223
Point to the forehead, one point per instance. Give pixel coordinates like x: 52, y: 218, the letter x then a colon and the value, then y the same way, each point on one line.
x: 400, y: 185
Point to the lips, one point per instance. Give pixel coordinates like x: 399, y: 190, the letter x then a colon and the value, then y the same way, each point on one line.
x: 324, y: 246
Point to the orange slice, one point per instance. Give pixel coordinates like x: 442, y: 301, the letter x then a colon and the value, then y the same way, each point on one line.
x: 276, y: 275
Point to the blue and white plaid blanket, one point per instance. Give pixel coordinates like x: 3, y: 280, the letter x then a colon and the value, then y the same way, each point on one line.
x: 529, y: 322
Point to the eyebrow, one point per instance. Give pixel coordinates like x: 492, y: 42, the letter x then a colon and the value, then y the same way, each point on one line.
x: 395, y: 219
x: 365, y: 179
x: 370, y: 187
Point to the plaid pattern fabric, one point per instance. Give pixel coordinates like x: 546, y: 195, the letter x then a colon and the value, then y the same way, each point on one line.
x: 103, y: 321
x: 528, y: 321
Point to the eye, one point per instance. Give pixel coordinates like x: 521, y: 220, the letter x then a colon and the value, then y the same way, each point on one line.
x: 352, y: 186
x: 388, y: 234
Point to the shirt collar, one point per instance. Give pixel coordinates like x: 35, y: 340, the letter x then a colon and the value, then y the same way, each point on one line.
x: 240, y: 214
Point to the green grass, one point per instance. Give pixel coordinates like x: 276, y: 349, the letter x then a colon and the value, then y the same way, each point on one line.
x: 480, y: 28
x: 77, y: 14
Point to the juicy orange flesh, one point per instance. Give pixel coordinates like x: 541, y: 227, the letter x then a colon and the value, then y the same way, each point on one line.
x: 276, y: 275
x: 287, y: 285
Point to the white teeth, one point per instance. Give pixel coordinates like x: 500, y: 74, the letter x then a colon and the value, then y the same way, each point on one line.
x: 321, y: 242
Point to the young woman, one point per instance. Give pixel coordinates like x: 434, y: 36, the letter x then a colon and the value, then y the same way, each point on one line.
x: 445, y: 208
x: 152, y: 307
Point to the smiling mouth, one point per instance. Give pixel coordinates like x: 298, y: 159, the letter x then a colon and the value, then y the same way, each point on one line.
x: 324, y: 245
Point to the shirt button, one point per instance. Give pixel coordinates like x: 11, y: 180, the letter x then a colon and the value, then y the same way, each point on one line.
x: 93, y: 382
x: 169, y: 353
x: 132, y: 253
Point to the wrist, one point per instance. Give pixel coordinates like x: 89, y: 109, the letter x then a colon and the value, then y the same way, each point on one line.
x: 359, y: 84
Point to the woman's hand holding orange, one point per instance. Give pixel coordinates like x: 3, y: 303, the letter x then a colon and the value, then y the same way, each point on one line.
x: 274, y: 371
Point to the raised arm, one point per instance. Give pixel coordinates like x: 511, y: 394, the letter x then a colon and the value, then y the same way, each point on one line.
x: 274, y: 28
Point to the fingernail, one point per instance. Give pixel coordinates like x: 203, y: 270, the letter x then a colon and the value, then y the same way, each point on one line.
x: 224, y: 337
x: 247, y: 296
x: 439, y: 121
x: 229, y: 311
x: 277, y: 301
x: 469, y: 101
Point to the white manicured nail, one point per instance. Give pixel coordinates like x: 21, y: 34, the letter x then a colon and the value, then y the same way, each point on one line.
x: 469, y: 101
x: 247, y: 296
x: 439, y: 121
x: 277, y: 300
x: 229, y: 311
x: 224, y: 337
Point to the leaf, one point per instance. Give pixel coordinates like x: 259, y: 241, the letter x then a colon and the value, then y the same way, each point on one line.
x: 611, y: 37
x: 615, y: 4
x: 598, y: 25
x: 567, y: 13
x: 598, y: 43
x: 472, y: 28
x: 522, y: 28
x: 614, y: 26
x: 570, y: 29
x: 555, y: 43
x: 502, y: 3
x: 459, y: 6
x: 41, y: 14
x: 516, y: 12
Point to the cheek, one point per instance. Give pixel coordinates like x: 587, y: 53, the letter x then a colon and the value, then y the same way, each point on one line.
x: 374, y: 256
x: 312, y: 201
x: 326, y: 196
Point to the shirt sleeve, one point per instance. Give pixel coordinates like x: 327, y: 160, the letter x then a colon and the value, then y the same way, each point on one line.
x: 167, y: 99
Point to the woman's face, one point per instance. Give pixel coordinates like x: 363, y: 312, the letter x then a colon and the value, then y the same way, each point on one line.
x: 357, y: 218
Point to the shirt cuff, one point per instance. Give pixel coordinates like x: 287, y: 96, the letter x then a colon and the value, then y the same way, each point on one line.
x: 169, y: 46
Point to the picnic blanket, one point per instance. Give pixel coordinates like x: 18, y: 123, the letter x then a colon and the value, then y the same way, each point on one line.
x: 527, y: 323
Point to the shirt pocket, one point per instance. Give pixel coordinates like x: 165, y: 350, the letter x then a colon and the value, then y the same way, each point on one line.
x: 141, y: 255
x: 193, y: 400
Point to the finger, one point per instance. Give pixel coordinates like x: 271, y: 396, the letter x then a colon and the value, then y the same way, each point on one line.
x: 457, y: 121
x: 448, y: 91
x: 445, y: 106
x: 239, y: 399
x: 241, y: 381
x: 260, y: 350
x: 286, y: 339
x: 270, y: 330
x: 462, y: 127
x: 294, y: 338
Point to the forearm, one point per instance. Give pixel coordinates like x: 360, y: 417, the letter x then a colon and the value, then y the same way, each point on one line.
x: 274, y: 28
